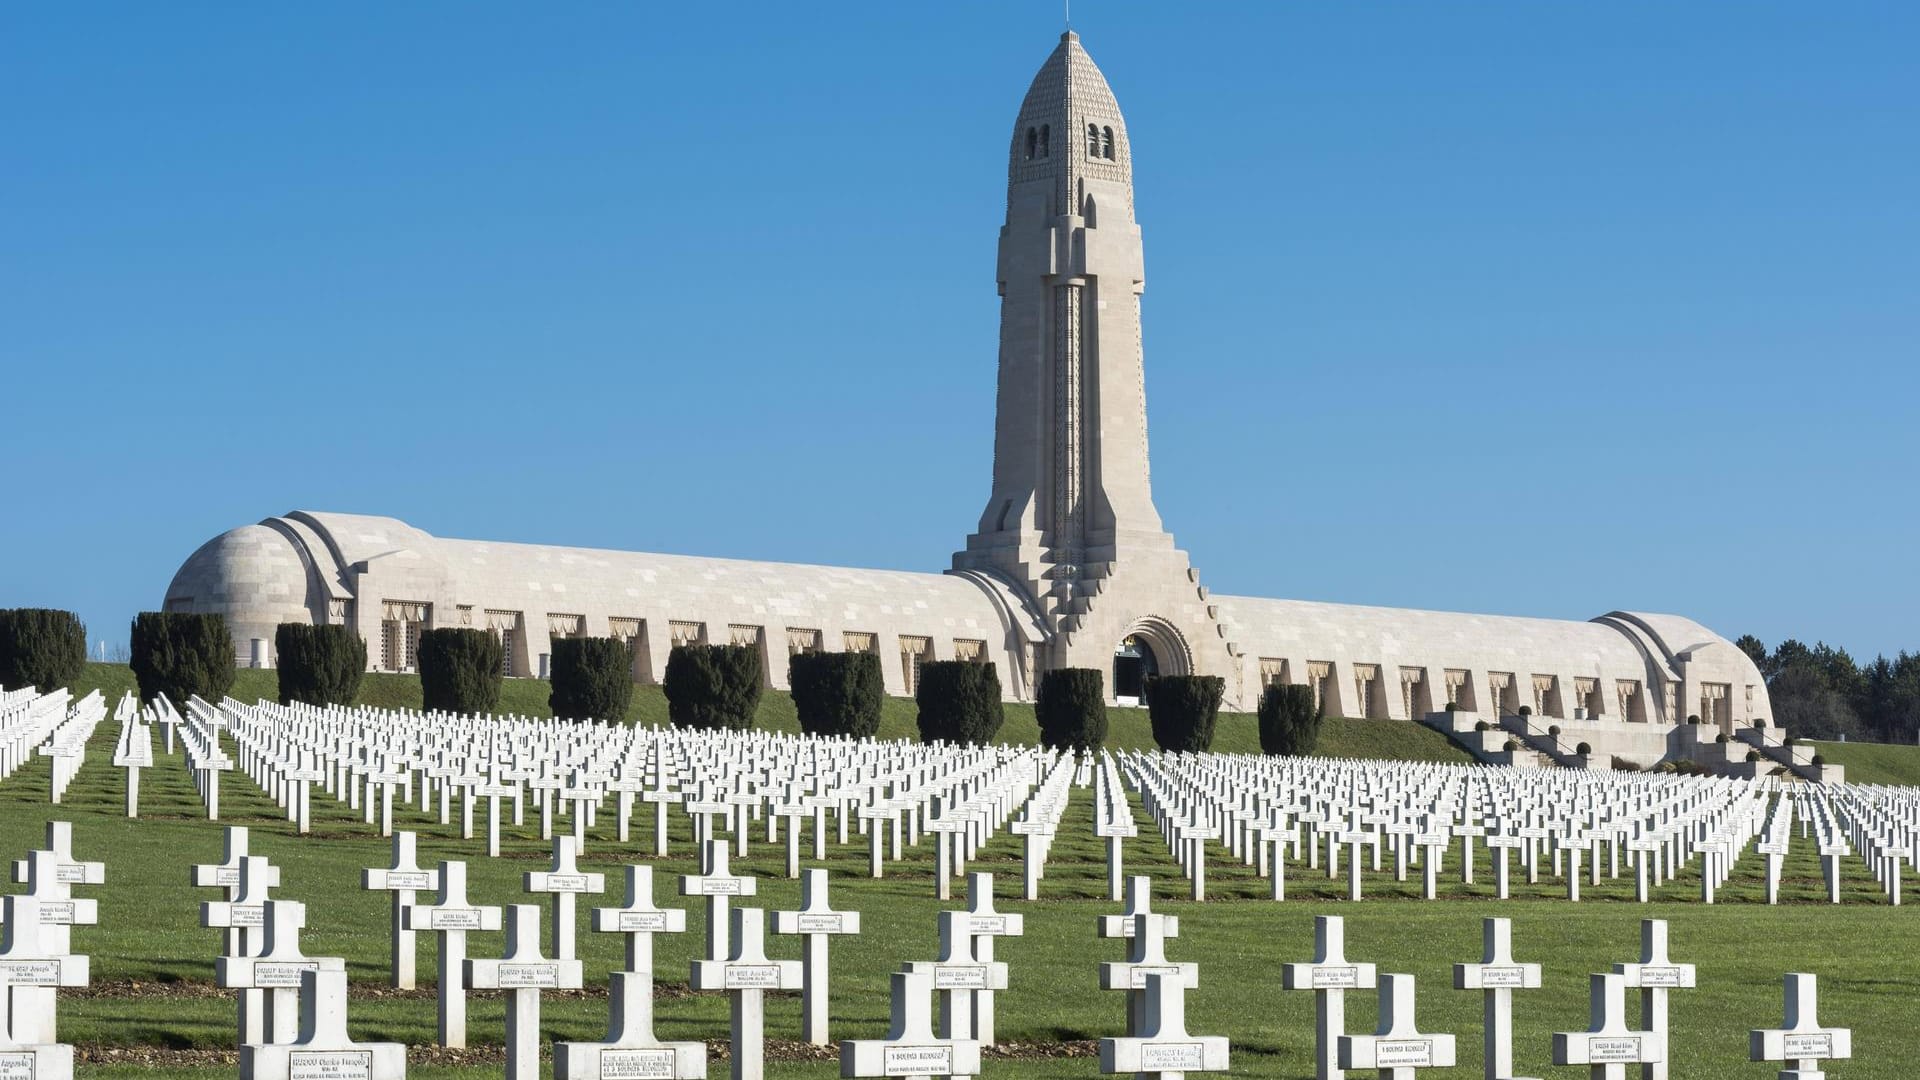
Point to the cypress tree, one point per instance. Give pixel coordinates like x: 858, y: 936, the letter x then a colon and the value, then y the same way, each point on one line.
x: 713, y: 686
x: 319, y: 665
x: 592, y: 679
x: 1072, y: 709
x: 182, y: 655
x: 460, y: 670
x: 42, y: 648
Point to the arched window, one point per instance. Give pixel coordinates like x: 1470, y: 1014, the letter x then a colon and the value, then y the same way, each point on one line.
x: 1106, y: 143
x: 1033, y: 142
x: 1046, y: 137
x: 1093, y: 140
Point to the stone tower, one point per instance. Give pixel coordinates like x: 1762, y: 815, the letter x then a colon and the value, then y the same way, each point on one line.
x: 1071, y: 521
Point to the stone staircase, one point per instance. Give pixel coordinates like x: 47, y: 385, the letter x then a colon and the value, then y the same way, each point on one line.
x: 1488, y: 746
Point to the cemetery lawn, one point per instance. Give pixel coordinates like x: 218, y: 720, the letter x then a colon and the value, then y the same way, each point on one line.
x: 1236, y: 733
x: 1874, y: 763
x: 152, y: 1008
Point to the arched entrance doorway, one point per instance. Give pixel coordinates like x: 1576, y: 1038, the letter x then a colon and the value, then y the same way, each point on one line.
x: 1133, y: 662
x: 1150, y: 647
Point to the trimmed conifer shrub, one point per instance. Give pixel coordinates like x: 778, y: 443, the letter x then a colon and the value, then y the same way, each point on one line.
x: 1183, y: 709
x: 837, y: 693
x: 319, y: 665
x: 1289, y: 722
x: 959, y: 702
x: 1072, y: 709
x: 42, y: 648
x: 592, y: 679
x: 460, y: 670
x: 713, y: 686
x: 181, y: 655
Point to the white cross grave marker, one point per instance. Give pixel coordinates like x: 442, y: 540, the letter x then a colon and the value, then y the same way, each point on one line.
x: 1803, y: 1042
x: 1497, y: 976
x: 402, y: 879
x: 1654, y: 975
x: 276, y: 971
x: 1608, y: 1046
x: 1397, y: 1049
x: 323, y: 1051
x: 30, y: 973
x: 638, y: 920
x: 816, y: 922
x: 525, y: 973
x: 747, y: 975
x: 910, y: 1049
x: 1329, y: 976
x: 1163, y: 1049
x: 452, y: 918
x: 563, y: 881
x: 630, y: 1051
x: 718, y: 885
x: 984, y: 924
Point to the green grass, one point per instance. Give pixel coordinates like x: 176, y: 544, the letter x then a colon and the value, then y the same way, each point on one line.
x: 1237, y: 733
x: 152, y: 964
x: 1874, y: 763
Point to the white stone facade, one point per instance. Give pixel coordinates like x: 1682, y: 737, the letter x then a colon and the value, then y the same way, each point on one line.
x: 1070, y: 563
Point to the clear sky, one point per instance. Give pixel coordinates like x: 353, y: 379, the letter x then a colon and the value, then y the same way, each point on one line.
x: 1518, y: 307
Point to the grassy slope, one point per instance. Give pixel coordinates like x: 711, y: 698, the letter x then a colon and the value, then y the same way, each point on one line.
x: 152, y: 964
x: 1874, y: 763
x: 1237, y: 733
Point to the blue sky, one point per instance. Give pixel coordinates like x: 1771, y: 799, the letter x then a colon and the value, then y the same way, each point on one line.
x: 1512, y: 307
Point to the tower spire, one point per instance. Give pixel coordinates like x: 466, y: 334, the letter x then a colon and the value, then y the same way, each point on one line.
x: 1071, y: 520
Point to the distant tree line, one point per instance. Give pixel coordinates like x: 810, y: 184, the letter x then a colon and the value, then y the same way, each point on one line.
x: 1821, y: 693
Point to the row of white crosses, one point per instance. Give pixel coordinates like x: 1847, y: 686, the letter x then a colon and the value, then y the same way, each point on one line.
x: 27, y: 719
x: 66, y: 743
x: 1267, y: 811
x: 133, y: 747
x: 722, y: 782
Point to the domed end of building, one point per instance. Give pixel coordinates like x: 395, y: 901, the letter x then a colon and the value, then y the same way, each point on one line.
x: 256, y: 576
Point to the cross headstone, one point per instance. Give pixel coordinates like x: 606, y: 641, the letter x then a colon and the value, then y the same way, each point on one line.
x: 1397, y: 1049
x: 30, y: 973
x: 985, y: 923
x: 911, y: 1049
x: 402, y: 880
x: 1497, y: 976
x: 1163, y: 1049
x: 1654, y: 976
x: 816, y: 922
x: 1329, y: 976
x: 1146, y: 957
x: 322, y: 1050
x: 453, y: 918
x: 276, y: 971
x: 563, y: 880
x: 245, y: 918
x: 637, y: 921
x: 630, y: 1051
x: 1803, y: 1042
x: 523, y: 972
x: 747, y: 975
x: 718, y: 885
x: 1608, y: 1046
x: 225, y: 874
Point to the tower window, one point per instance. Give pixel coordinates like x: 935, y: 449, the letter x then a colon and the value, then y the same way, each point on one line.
x: 1046, y: 137
x: 1093, y: 140
x: 1106, y: 143
x: 1033, y: 142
